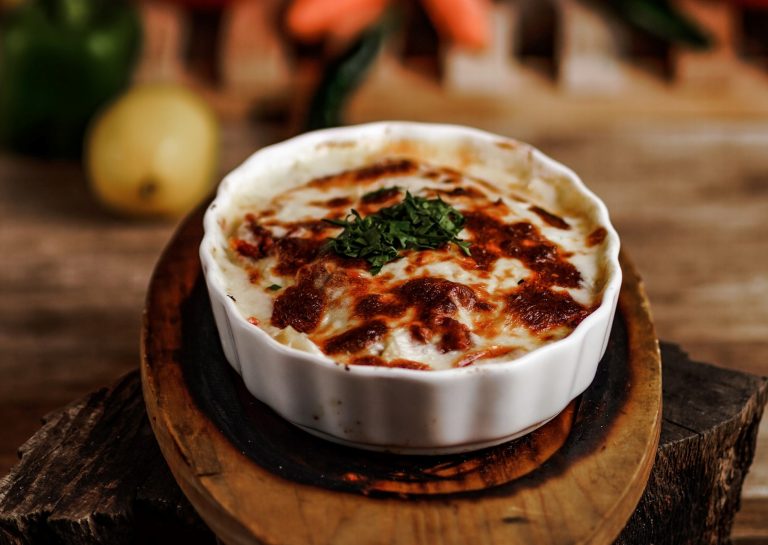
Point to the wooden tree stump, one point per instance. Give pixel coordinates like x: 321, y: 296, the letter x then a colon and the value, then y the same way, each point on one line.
x: 94, y: 473
x: 707, y: 444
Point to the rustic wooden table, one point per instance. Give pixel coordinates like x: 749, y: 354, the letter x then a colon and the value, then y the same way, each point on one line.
x: 690, y: 201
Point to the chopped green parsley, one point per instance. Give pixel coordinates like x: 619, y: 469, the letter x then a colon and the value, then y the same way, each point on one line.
x: 415, y: 223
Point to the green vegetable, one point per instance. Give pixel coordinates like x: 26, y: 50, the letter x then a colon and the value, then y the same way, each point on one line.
x: 343, y: 75
x: 664, y: 20
x: 60, y: 61
x: 659, y: 18
x: 275, y: 287
x: 414, y: 223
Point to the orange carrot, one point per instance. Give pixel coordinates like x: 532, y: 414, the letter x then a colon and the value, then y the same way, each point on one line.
x: 467, y: 22
x: 356, y: 21
x: 312, y: 19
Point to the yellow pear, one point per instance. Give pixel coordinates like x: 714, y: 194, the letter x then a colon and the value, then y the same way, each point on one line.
x: 153, y: 151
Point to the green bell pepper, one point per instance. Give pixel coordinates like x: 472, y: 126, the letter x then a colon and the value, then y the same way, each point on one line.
x: 60, y: 61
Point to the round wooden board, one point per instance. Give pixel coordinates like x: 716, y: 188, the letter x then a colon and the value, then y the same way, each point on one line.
x: 255, y: 479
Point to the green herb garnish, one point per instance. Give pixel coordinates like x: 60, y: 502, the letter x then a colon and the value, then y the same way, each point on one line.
x: 274, y: 287
x: 414, y: 223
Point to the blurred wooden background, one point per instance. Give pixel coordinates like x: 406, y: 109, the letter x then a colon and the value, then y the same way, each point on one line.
x: 556, y: 53
x: 674, y: 141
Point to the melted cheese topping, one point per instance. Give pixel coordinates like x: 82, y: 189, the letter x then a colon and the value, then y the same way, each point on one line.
x: 531, y: 277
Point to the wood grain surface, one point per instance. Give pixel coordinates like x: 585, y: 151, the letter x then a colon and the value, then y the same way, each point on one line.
x: 690, y: 200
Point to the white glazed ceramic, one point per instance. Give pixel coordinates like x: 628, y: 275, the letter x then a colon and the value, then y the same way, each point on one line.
x: 403, y: 410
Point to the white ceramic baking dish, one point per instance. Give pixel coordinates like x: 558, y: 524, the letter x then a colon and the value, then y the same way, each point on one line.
x: 394, y: 409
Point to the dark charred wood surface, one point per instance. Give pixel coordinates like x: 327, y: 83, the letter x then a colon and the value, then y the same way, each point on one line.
x: 94, y: 473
